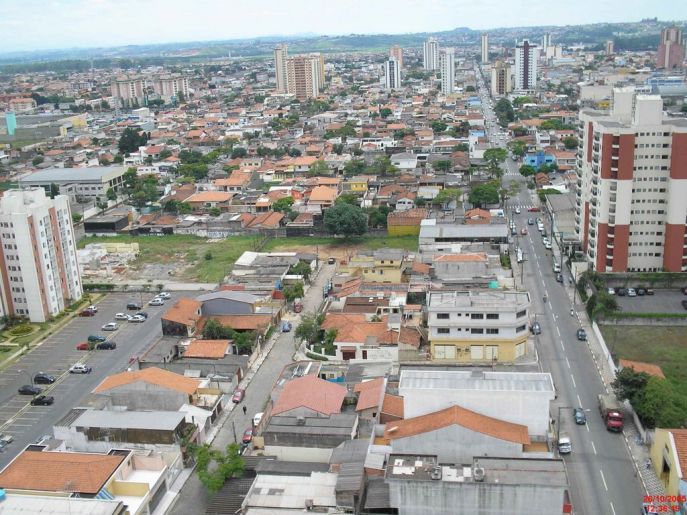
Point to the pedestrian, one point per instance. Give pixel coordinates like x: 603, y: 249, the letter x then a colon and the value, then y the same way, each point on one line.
x: 245, y: 410
x: 572, y: 312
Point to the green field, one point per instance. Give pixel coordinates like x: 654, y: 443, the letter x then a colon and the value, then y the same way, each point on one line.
x: 663, y: 346
x: 336, y: 244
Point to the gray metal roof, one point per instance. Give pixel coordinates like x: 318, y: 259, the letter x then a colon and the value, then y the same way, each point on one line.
x: 465, y: 231
x: 377, y: 494
x: 230, y: 295
x: 351, y: 451
x: 476, y: 380
x: 290, y: 468
x: 95, y: 174
x: 350, y: 477
x: 161, y: 420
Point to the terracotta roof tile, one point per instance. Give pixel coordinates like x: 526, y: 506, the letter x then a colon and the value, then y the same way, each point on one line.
x: 680, y: 438
x: 184, y: 311
x: 455, y: 415
x: 211, y: 196
x: 370, y: 393
x: 462, y: 258
x: 212, y: 349
x: 639, y: 366
x: 83, y: 473
x: 313, y: 393
x: 322, y: 194
x: 153, y: 375
x: 243, y: 322
x: 393, y: 405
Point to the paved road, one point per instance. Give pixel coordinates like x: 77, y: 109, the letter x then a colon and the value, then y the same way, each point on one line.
x: 193, y: 497
x: 27, y: 423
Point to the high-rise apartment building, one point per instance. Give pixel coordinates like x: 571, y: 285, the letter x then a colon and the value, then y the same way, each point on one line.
x: 320, y: 68
x: 632, y: 186
x: 281, y: 54
x: 500, y: 79
x: 397, y: 53
x: 671, y: 49
x: 169, y: 87
x: 430, y: 54
x: 129, y: 91
x: 303, y: 76
x: 610, y: 47
x: 484, y: 48
x: 392, y: 74
x: 40, y: 273
x: 447, y: 62
x: 525, y: 66
x: 546, y: 42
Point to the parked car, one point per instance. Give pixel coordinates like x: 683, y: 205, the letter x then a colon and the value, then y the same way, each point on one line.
x: 142, y: 314
x: 534, y: 210
x: 164, y: 295
x: 631, y: 292
x: 622, y: 292
x: 110, y: 326
x: 6, y: 438
x: 87, y: 313
x: 523, y: 231
x: 257, y: 418
x: 611, y: 291
x: 29, y: 389
x: 582, y: 335
x: 556, y: 268
x: 84, y: 346
x: 133, y: 306
x: 43, y: 378
x: 137, y: 319
x: 95, y: 338
x: 649, y: 291
x: 684, y: 304
x: 641, y: 291
x: 156, y: 302
x: 80, y: 368
x: 580, y: 417
x: 106, y: 346
x: 559, y: 278
x: 121, y: 316
x: 286, y: 326
x: 535, y: 328
x: 331, y: 261
x: 530, y: 221
x: 247, y: 436
x: 548, y: 245
x: 42, y: 400
x: 684, y: 290
x: 238, y: 396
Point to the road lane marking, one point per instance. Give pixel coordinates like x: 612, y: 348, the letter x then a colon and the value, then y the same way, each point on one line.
x: 562, y: 346
x: 567, y: 362
x: 603, y: 479
x: 558, y: 331
x: 578, y: 398
x: 573, y: 381
x: 594, y: 449
x: 612, y: 509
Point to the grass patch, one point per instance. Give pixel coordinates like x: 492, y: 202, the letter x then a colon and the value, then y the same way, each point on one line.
x: 626, y: 314
x: 662, y: 346
x: 331, y: 243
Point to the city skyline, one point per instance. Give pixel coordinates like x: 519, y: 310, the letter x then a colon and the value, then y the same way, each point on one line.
x: 208, y: 20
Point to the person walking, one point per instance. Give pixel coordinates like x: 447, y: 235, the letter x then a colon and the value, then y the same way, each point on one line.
x: 245, y: 410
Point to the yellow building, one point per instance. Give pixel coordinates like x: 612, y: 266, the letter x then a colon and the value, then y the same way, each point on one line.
x: 405, y: 223
x: 669, y: 459
x: 380, y: 266
x: 358, y: 184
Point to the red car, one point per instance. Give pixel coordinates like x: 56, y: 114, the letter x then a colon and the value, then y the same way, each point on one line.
x: 239, y: 393
x: 534, y: 210
x: 83, y: 346
x: 247, y: 436
x: 523, y: 231
x: 87, y: 313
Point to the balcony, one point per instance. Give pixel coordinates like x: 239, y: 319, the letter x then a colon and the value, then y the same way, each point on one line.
x: 612, y: 198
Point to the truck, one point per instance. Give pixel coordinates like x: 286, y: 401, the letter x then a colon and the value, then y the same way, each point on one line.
x: 611, y: 412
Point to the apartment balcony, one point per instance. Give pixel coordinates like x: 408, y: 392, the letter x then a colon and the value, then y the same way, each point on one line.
x: 579, y: 183
x: 615, y: 146
x: 612, y: 198
x: 594, y: 202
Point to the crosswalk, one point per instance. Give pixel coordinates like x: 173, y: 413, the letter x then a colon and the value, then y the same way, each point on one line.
x: 523, y: 207
x: 513, y: 173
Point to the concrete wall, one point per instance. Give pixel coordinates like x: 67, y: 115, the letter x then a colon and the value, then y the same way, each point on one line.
x: 308, y: 454
x: 142, y: 396
x: 455, y: 444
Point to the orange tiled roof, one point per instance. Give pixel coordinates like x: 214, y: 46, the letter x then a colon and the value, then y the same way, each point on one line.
x: 639, y: 366
x: 313, y: 393
x: 244, y: 322
x: 211, y: 196
x: 79, y: 472
x: 393, y: 405
x: 370, y: 393
x: 213, y: 349
x: 184, y: 311
x: 153, y: 375
x: 680, y: 438
x: 455, y: 415
x: 322, y: 194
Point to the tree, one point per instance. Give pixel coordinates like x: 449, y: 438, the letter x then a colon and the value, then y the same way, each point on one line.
x: 309, y: 328
x: 104, y: 104
x: 54, y: 190
x: 469, y: 89
x: 658, y: 404
x: 118, y: 159
x: 293, y: 291
x: 301, y: 268
x: 214, y: 211
x: 238, y: 152
x: 461, y: 147
x: 111, y: 194
x: 547, y: 191
x: 347, y: 198
x: 294, y: 152
x: 181, y: 98
x: 318, y: 168
x: 570, y: 142
x: 354, y: 167
x: 130, y: 179
x: 628, y: 384
x: 130, y: 140
x: 214, y: 467
x: 377, y: 216
x: 527, y: 170
x: 283, y: 205
x: 198, y: 171
x: 385, y: 112
x: 165, y: 154
x: 346, y: 220
x: 383, y: 166
x: 445, y: 165
x: 484, y: 194
x: 518, y: 148
x: 37, y: 160
x: 494, y: 157
x: 77, y: 217
x: 446, y: 196
x: 438, y: 126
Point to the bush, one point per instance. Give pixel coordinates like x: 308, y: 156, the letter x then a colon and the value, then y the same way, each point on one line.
x: 316, y: 357
x: 98, y: 286
x: 21, y: 330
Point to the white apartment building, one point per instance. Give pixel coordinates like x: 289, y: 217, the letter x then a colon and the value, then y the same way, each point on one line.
x: 447, y: 59
x: 392, y: 74
x: 169, y: 87
x: 281, y: 54
x: 430, y: 54
x: 40, y: 273
x: 484, y: 41
x: 478, y: 326
x: 128, y: 91
x: 525, y: 66
x: 632, y: 186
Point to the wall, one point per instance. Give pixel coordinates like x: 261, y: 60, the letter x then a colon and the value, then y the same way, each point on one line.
x: 307, y: 454
x: 144, y: 396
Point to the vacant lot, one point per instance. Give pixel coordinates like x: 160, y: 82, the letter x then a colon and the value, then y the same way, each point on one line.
x: 663, y: 346
x: 195, y: 259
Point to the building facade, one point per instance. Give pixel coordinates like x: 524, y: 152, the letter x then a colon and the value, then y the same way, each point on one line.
x: 610, y: 47
x: 281, y: 54
x: 40, y: 273
x: 525, y: 66
x: 303, y: 76
x: 477, y: 326
x: 397, y: 53
x: 484, y: 47
x: 500, y: 79
x: 129, y: 91
x: 430, y: 54
x: 671, y: 49
x: 169, y: 87
x: 632, y: 186
x: 392, y: 74
x: 447, y: 59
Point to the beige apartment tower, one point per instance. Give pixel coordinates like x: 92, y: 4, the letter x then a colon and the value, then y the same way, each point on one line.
x: 303, y: 76
x: 281, y: 54
x: 484, y: 48
x: 500, y: 79
x: 396, y: 52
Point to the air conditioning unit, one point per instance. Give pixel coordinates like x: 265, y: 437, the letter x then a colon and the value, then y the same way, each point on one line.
x: 435, y: 473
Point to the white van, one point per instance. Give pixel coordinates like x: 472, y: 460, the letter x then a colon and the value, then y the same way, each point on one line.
x: 564, y: 444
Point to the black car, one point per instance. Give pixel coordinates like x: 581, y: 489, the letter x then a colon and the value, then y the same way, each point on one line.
x: 580, y: 417
x: 559, y: 278
x: 106, y: 346
x: 684, y: 290
x: 641, y: 291
x: 582, y: 335
x: 621, y: 292
x: 535, y: 328
x: 42, y: 400
x: 29, y: 389
x: 142, y: 314
x: 649, y: 291
x: 43, y: 378
x: 684, y: 304
x: 133, y: 306
x: 95, y: 338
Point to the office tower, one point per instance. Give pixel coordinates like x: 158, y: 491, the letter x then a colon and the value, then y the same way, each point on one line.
x: 485, y: 48
x: 281, y: 54
x: 447, y: 58
x: 545, y: 42
x: 632, y: 186
x: 303, y: 76
x: 129, y: 91
x: 430, y: 54
x: 169, y: 87
x: 38, y: 256
x: 525, y: 66
x: 671, y: 50
x: 500, y: 79
x: 392, y: 74
x: 397, y: 53
x: 610, y: 47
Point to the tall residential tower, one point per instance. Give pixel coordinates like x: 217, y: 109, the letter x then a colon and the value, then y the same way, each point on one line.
x: 392, y: 74
x: 525, y: 66
x: 397, y: 53
x: 281, y: 54
x: 430, y: 54
x: 671, y: 49
x: 484, y: 48
x: 447, y: 61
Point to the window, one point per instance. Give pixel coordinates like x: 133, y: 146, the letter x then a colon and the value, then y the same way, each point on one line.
x: 442, y: 316
x: 492, y: 316
x: 476, y: 330
x: 443, y: 330
x: 492, y: 331
x: 521, y: 314
x: 520, y: 328
x: 477, y: 316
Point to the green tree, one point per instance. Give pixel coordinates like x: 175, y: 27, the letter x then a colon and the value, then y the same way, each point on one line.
x: 542, y: 193
x: 130, y: 140
x: 293, y: 291
x: 445, y: 165
x: 461, y: 147
x: 346, y: 220
x: 527, y: 170
x: 504, y: 112
x: 377, y: 216
x: 318, y: 169
x: 198, y: 171
x: 37, y: 160
x: 294, y: 152
x: 283, y: 205
x: 484, y: 194
x: 309, y: 328
x: 494, y: 157
x: 385, y: 112
x: 214, y: 211
x: 215, y: 467
x: 165, y: 154
x: 239, y: 152
x: 659, y: 405
x: 628, y: 384
x: 446, y: 196
x: 570, y: 142
x: 301, y: 268
x: 118, y: 159
x: 111, y: 194
x: 130, y: 179
x: 469, y: 89
x: 54, y: 190
x: 347, y: 198
x: 438, y: 126
x: 383, y: 166
x: 518, y: 148
x: 354, y: 167
x: 77, y: 217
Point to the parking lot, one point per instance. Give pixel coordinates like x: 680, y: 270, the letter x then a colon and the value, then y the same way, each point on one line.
x: 663, y: 301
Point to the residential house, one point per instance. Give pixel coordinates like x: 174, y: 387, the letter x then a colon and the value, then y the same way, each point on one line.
x: 203, y: 201
x: 323, y: 196
x: 238, y: 182
x: 405, y: 223
x: 182, y: 318
x: 358, y: 184
x: 379, y: 266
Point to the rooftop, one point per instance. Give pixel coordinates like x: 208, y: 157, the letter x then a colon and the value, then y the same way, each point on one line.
x: 158, y: 420
x: 477, y: 299
x: 476, y: 380
x: 153, y: 375
x: 92, y: 174
x: 310, y: 392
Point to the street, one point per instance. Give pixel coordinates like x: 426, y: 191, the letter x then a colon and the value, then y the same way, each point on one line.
x: 28, y: 423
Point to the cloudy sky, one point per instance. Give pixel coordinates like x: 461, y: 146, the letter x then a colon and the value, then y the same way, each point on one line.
x: 46, y: 24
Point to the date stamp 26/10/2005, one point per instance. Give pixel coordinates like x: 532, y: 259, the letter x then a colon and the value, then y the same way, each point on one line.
x: 663, y: 503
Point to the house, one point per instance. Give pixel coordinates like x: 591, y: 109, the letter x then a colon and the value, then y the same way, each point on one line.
x: 379, y: 266
x: 278, y: 489
x: 433, y: 232
x: 477, y: 216
x: 357, y: 184
x: 270, y: 220
x: 206, y: 200
x: 669, y: 460
x: 323, y: 196
x: 404, y: 161
x: 370, y: 397
x: 181, y: 319
x: 78, y: 182
x: 405, y: 223
x: 237, y: 182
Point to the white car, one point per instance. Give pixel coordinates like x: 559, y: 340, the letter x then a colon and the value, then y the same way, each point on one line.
x: 556, y: 268
x: 257, y: 418
x: 110, y: 326
x: 80, y: 368
x: 611, y: 291
x: 164, y: 295
x: 517, y: 210
x: 92, y: 308
x: 156, y: 302
x: 121, y: 316
x: 137, y: 319
x: 548, y: 245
